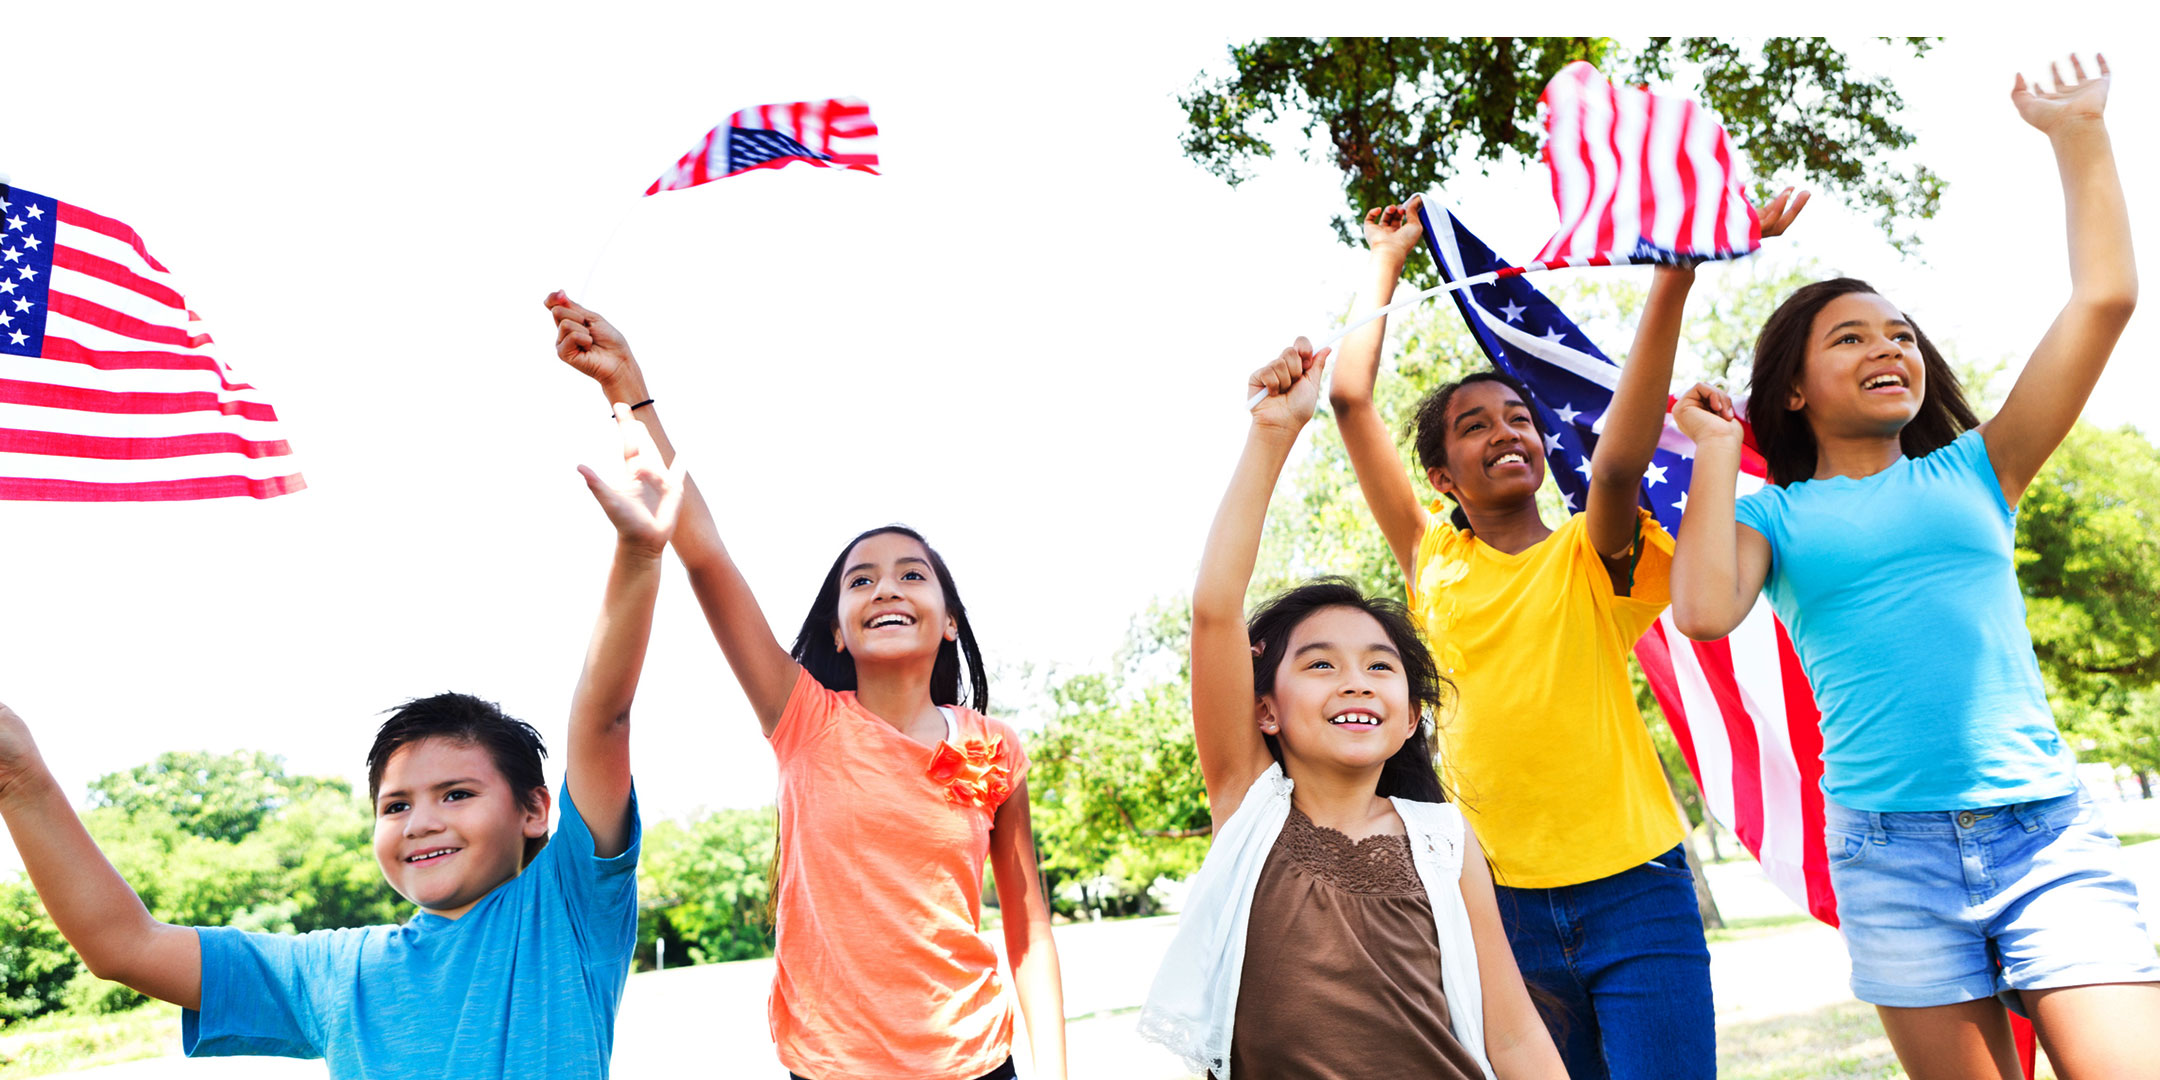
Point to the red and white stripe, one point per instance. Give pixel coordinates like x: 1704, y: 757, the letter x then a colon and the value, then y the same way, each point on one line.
x: 840, y: 128
x: 1631, y: 168
x: 126, y: 401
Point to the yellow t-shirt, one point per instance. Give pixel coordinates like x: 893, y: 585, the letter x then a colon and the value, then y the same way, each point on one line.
x: 1543, y: 745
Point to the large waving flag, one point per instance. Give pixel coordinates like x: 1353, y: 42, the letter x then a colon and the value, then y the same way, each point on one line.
x: 1740, y: 707
x: 836, y: 133
x: 108, y: 389
x: 1646, y: 176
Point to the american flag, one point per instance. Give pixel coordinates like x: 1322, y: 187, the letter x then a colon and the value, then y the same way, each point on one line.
x: 835, y: 133
x: 1641, y: 175
x: 108, y: 390
x: 1741, y: 708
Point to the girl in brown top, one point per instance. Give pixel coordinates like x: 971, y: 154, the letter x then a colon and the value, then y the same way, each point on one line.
x: 1343, y: 948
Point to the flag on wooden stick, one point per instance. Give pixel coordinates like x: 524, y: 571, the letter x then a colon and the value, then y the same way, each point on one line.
x: 108, y: 389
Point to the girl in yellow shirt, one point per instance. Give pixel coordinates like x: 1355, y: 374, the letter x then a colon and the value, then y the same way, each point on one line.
x: 1545, y: 748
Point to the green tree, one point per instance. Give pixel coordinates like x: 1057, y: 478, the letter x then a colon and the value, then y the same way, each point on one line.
x: 35, y: 961
x: 1402, y: 115
x: 704, y: 885
x: 214, y: 796
x: 2089, y: 565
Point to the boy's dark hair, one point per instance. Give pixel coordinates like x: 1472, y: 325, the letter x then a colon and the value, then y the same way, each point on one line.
x: 834, y: 669
x: 1409, y: 774
x: 513, y: 744
x: 1783, y: 436
x: 1428, y: 426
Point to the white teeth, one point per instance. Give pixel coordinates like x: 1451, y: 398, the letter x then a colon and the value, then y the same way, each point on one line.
x: 1509, y: 458
x: 1882, y: 381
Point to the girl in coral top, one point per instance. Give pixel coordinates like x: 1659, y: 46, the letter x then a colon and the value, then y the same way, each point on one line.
x: 893, y: 791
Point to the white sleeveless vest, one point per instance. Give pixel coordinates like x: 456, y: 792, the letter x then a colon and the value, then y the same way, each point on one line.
x: 1194, y: 999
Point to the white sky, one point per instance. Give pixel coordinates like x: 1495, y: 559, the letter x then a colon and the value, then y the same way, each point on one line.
x: 1027, y: 339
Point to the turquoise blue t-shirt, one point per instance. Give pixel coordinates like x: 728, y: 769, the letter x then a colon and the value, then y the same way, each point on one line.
x: 1901, y: 596
x: 525, y: 984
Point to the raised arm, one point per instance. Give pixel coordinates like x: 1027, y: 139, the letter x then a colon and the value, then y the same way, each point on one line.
x: 88, y: 900
x: 1718, y: 564
x: 1392, y: 232
x: 1636, y: 416
x: 1232, y: 753
x: 761, y: 664
x: 643, y: 509
x: 2052, y: 389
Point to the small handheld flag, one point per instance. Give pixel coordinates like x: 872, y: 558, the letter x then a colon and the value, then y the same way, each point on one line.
x: 108, y: 390
x: 834, y: 133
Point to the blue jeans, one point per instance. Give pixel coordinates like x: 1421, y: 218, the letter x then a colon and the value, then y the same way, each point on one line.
x: 1625, y: 960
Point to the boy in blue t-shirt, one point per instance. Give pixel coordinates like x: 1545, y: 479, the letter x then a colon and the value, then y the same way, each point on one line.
x: 513, y: 966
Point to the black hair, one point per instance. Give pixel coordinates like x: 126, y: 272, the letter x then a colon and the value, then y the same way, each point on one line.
x: 834, y: 669
x: 1409, y: 773
x: 1784, y: 437
x: 1428, y: 425
x: 512, y: 744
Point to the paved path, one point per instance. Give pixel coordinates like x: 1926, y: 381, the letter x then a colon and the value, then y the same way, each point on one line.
x: 710, y: 1021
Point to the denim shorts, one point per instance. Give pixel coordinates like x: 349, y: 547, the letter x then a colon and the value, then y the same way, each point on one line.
x: 1949, y: 906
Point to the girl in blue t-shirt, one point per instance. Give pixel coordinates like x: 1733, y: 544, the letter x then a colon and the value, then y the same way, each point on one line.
x: 1967, y: 863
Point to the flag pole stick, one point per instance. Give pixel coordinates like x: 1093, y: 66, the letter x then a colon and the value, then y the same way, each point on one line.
x: 1486, y: 278
x: 594, y: 266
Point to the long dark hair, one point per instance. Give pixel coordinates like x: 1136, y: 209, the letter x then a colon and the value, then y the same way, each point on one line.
x: 1409, y: 773
x: 1783, y: 436
x: 1428, y: 426
x: 834, y: 669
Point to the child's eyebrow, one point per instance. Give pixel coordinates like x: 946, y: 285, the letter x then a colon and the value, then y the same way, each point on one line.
x: 896, y: 562
x: 1832, y: 332
x: 463, y: 781
x: 1378, y: 646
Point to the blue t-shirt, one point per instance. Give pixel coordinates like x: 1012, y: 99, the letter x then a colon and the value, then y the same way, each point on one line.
x: 525, y: 984
x: 1901, y: 595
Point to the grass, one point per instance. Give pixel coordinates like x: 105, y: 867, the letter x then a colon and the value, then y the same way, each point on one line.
x: 1759, y: 926
x: 2130, y: 838
x: 1841, y: 1040
x: 65, y: 1042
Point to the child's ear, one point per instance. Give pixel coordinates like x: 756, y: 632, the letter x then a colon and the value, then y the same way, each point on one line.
x: 1264, y: 715
x: 1795, y: 400
x: 952, y: 629
x: 836, y: 645
x: 536, y: 813
x: 1440, y: 480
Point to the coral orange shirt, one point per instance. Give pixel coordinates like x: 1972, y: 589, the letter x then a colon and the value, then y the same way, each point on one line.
x: 880, y: 968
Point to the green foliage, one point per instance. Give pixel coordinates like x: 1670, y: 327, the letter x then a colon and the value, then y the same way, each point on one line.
x: 35, y: 961
x: 704, y: 886
x: 88, y: 995
x: 1115, y: 786
x: 214, y: 796
x: 1401, y: 115
x: 2089, y: 565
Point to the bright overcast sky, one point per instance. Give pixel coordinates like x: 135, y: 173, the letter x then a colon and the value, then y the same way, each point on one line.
x: 1027, y: 338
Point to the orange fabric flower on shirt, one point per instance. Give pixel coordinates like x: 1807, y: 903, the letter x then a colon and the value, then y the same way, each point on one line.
x: 974, y: 772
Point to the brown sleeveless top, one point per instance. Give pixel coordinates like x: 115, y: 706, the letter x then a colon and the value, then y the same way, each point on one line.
x: 1342, y: 966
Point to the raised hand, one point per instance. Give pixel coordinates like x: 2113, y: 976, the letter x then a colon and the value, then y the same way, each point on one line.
x: 1291, y: 382
x: 645, y: 505
x: 1777, y: 215
x: 588, y: 342
x: 2050, y: 109
x: 1394, y: 230
x: 1705, y: 413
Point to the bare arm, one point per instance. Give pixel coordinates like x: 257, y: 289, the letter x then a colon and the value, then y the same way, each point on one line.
x: 1636, y: 416
x: 1392, y: 232
x: 2053, y: 388
x: 761, y: 664
x: 1516, y: 1041
x: 1718, y: 564
x: 88, y: 900
x: 644, y: 510
x: 1028, y: 945
x: 1225, y: 732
